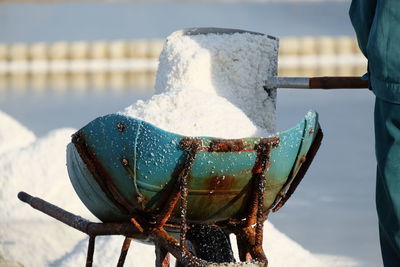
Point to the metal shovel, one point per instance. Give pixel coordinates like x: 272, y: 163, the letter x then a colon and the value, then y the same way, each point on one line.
x: 289, y: 82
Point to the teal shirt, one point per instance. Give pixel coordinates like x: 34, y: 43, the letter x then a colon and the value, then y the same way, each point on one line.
x: 377, y: 25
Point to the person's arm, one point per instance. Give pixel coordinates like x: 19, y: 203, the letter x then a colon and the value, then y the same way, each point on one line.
x: 362, y: 13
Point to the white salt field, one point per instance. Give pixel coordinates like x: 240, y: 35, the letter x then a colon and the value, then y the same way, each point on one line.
x: 331, y: 215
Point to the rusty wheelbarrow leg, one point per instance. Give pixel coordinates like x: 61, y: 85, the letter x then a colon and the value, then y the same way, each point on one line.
x: 90, y: 252
x: 250, y: 238
x: 162, y: 256
x: 124, y: 251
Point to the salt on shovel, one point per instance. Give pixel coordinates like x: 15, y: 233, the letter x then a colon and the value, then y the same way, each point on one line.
x: 274, y: 82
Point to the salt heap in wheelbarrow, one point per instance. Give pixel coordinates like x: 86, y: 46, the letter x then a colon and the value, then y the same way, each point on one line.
x: 141, y: 162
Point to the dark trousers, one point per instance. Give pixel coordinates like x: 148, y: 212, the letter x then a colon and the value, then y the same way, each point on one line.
x: 387, y: 147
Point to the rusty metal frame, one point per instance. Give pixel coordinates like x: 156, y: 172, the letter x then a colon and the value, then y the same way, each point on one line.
x: 249, y: 233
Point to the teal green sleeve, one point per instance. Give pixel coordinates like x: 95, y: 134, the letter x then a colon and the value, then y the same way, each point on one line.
x: 362, y: 13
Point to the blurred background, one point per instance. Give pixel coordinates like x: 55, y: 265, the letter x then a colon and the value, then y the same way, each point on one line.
x: 64, y: 63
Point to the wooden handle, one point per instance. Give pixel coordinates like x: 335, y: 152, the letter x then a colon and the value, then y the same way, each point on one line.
x: 337, y: 83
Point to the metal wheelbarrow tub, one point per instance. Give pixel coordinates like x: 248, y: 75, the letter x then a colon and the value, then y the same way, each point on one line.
x: 122, y: 167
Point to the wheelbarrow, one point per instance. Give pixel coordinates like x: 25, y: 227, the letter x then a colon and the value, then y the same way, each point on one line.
x: 175, y: 191
x: 157, y: 186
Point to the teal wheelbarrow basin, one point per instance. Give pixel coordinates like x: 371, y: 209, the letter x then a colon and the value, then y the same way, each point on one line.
x: 122, y: 167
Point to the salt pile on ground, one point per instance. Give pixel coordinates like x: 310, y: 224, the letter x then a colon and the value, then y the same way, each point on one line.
x: 38, y: 167
x: 212, y: 85
x: 8, y: 139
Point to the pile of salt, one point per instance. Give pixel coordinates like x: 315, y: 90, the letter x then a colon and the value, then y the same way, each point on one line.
x: 8, y: 138
x: 212, y: 85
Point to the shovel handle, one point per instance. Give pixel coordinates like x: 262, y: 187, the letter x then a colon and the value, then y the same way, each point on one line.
x: 337, y: 83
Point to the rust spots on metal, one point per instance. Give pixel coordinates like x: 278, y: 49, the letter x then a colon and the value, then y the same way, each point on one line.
x: 260, y: 166
x: 220, y: 184
x: 100, y: 175
x: 311, y: 131
x: 125, y: 162
x: 140, y: 198
x: 303, y: 159
x: 137, y: 225
x: 338, y: 82
x: 264, y: 148
x: 248, y: 247
x: 256, y: 200
x: 167, y: 210
x: 191, y: 146
x: 272, y: 142
x: 223, y: 145
x: 121, y: 127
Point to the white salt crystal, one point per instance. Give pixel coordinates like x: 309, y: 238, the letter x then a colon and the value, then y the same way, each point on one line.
x: 29, y: 237
x: 212, y: 85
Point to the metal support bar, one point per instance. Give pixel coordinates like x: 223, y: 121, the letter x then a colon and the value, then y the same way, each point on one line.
x: 124, y: 251
x: 183, y: 209
x: 79, y: 223
x: 250, y: 238
x: 90, y: 252
x: 192, y: 146
x: 260, y: 214
x: 162, y: 256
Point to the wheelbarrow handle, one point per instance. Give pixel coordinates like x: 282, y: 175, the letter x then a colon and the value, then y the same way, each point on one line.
x: 338, y: 82
x: 329, y: 82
